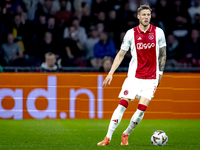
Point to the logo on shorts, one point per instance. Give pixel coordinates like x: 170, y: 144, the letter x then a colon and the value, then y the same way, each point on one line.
x: 126, y: 92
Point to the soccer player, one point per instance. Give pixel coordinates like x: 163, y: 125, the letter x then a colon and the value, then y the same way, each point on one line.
x: 148, y: 49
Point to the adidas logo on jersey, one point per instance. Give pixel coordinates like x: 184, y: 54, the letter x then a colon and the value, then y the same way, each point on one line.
x: 139, y: 38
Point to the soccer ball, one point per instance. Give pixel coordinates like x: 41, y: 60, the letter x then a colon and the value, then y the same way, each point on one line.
x: 159, y: 138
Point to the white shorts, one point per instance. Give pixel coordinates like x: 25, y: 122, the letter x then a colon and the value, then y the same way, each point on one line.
x: 133, y: 87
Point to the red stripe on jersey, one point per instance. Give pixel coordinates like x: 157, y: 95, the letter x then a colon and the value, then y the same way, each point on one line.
x: 145, y: 44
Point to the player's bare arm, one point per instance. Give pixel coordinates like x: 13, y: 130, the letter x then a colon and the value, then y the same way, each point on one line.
x: 117, y: 61
x: 162, y: 60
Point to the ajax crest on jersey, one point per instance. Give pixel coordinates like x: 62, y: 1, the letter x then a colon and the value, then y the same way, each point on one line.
x: 159, y: 138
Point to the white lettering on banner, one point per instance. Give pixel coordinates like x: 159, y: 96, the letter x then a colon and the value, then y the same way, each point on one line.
x: 50, y: 94
x: 73, y: 95
x: 100, y: 97
x: 17, y: 111
x: 145, y: 45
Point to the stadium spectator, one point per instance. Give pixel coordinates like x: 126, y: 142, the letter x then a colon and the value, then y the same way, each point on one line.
x: 18, y: 30
x: 10, y: 52
x: 51, y: 23
x: 97, y: 6
x: 63, y: 16
x: 45, y: 9
x: 116, y: 5
x: 28, y: 34
x: 100, y: 27
x: 179, y: 8
x: 192, y: 49
x: 196, y: 24
x: 86, y: 19
x: 8, y: 5
x: 80, y: 31
x: 50, y: 63
x: 155, y: 21
x: 194, y: 10
x: 53, y: 28
x: 100, y: 17
x: 40, y: 28
x: 31, y: 7
x: 181, y: 28
x: 111, y: 20
x: 80, y: 5
x: 125, y: 11
x: 48, y: 45
x: 180, y: 16
x: 72, y: 52
x: 106, y: 64
x: 3, y: 21
x: 56, y: 5
x: 110, y: 24
x: 180, y: 21
x: 135, y: 3
x: 18, y: 26
x: 91, y: 41
x: 162, y: 6
x: 19, y: 9
x: 105, y: 47
x: 173, y: 51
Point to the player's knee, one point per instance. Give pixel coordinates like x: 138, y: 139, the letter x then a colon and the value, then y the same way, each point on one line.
x: 144, y: 101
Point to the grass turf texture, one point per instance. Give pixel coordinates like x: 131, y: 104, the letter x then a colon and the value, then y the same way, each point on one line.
x: 85, y: 134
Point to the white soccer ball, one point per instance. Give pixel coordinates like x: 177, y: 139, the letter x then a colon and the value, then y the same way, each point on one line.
x: 159, y: 138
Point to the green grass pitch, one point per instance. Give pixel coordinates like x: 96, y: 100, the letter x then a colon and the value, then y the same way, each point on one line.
x: 85, y: 134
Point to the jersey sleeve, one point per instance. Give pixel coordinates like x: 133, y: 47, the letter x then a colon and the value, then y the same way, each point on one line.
x: 162, y: 41
x: 126, y: 41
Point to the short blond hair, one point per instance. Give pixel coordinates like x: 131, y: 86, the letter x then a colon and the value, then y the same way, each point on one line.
x: 142, y: 7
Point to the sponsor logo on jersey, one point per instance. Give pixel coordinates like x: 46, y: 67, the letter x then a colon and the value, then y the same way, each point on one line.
x: 145, y: 45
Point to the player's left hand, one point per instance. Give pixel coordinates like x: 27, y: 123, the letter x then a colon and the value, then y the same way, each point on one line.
x: 108, y: 80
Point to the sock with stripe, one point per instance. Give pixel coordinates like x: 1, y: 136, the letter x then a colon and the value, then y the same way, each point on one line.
x: 116, y: 117
x: 136, y: 118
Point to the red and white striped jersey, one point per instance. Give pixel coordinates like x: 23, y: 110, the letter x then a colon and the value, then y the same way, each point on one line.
x: 144, y: 50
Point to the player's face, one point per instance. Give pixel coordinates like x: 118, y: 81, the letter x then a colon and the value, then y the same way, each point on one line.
x: 144, y: 17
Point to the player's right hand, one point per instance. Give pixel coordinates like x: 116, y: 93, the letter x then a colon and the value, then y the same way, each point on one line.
x: 108, y: 80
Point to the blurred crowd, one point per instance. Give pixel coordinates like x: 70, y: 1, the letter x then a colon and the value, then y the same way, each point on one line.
x: 88, y: 33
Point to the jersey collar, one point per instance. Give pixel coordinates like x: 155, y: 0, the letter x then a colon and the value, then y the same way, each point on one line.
x: 140, y: 31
